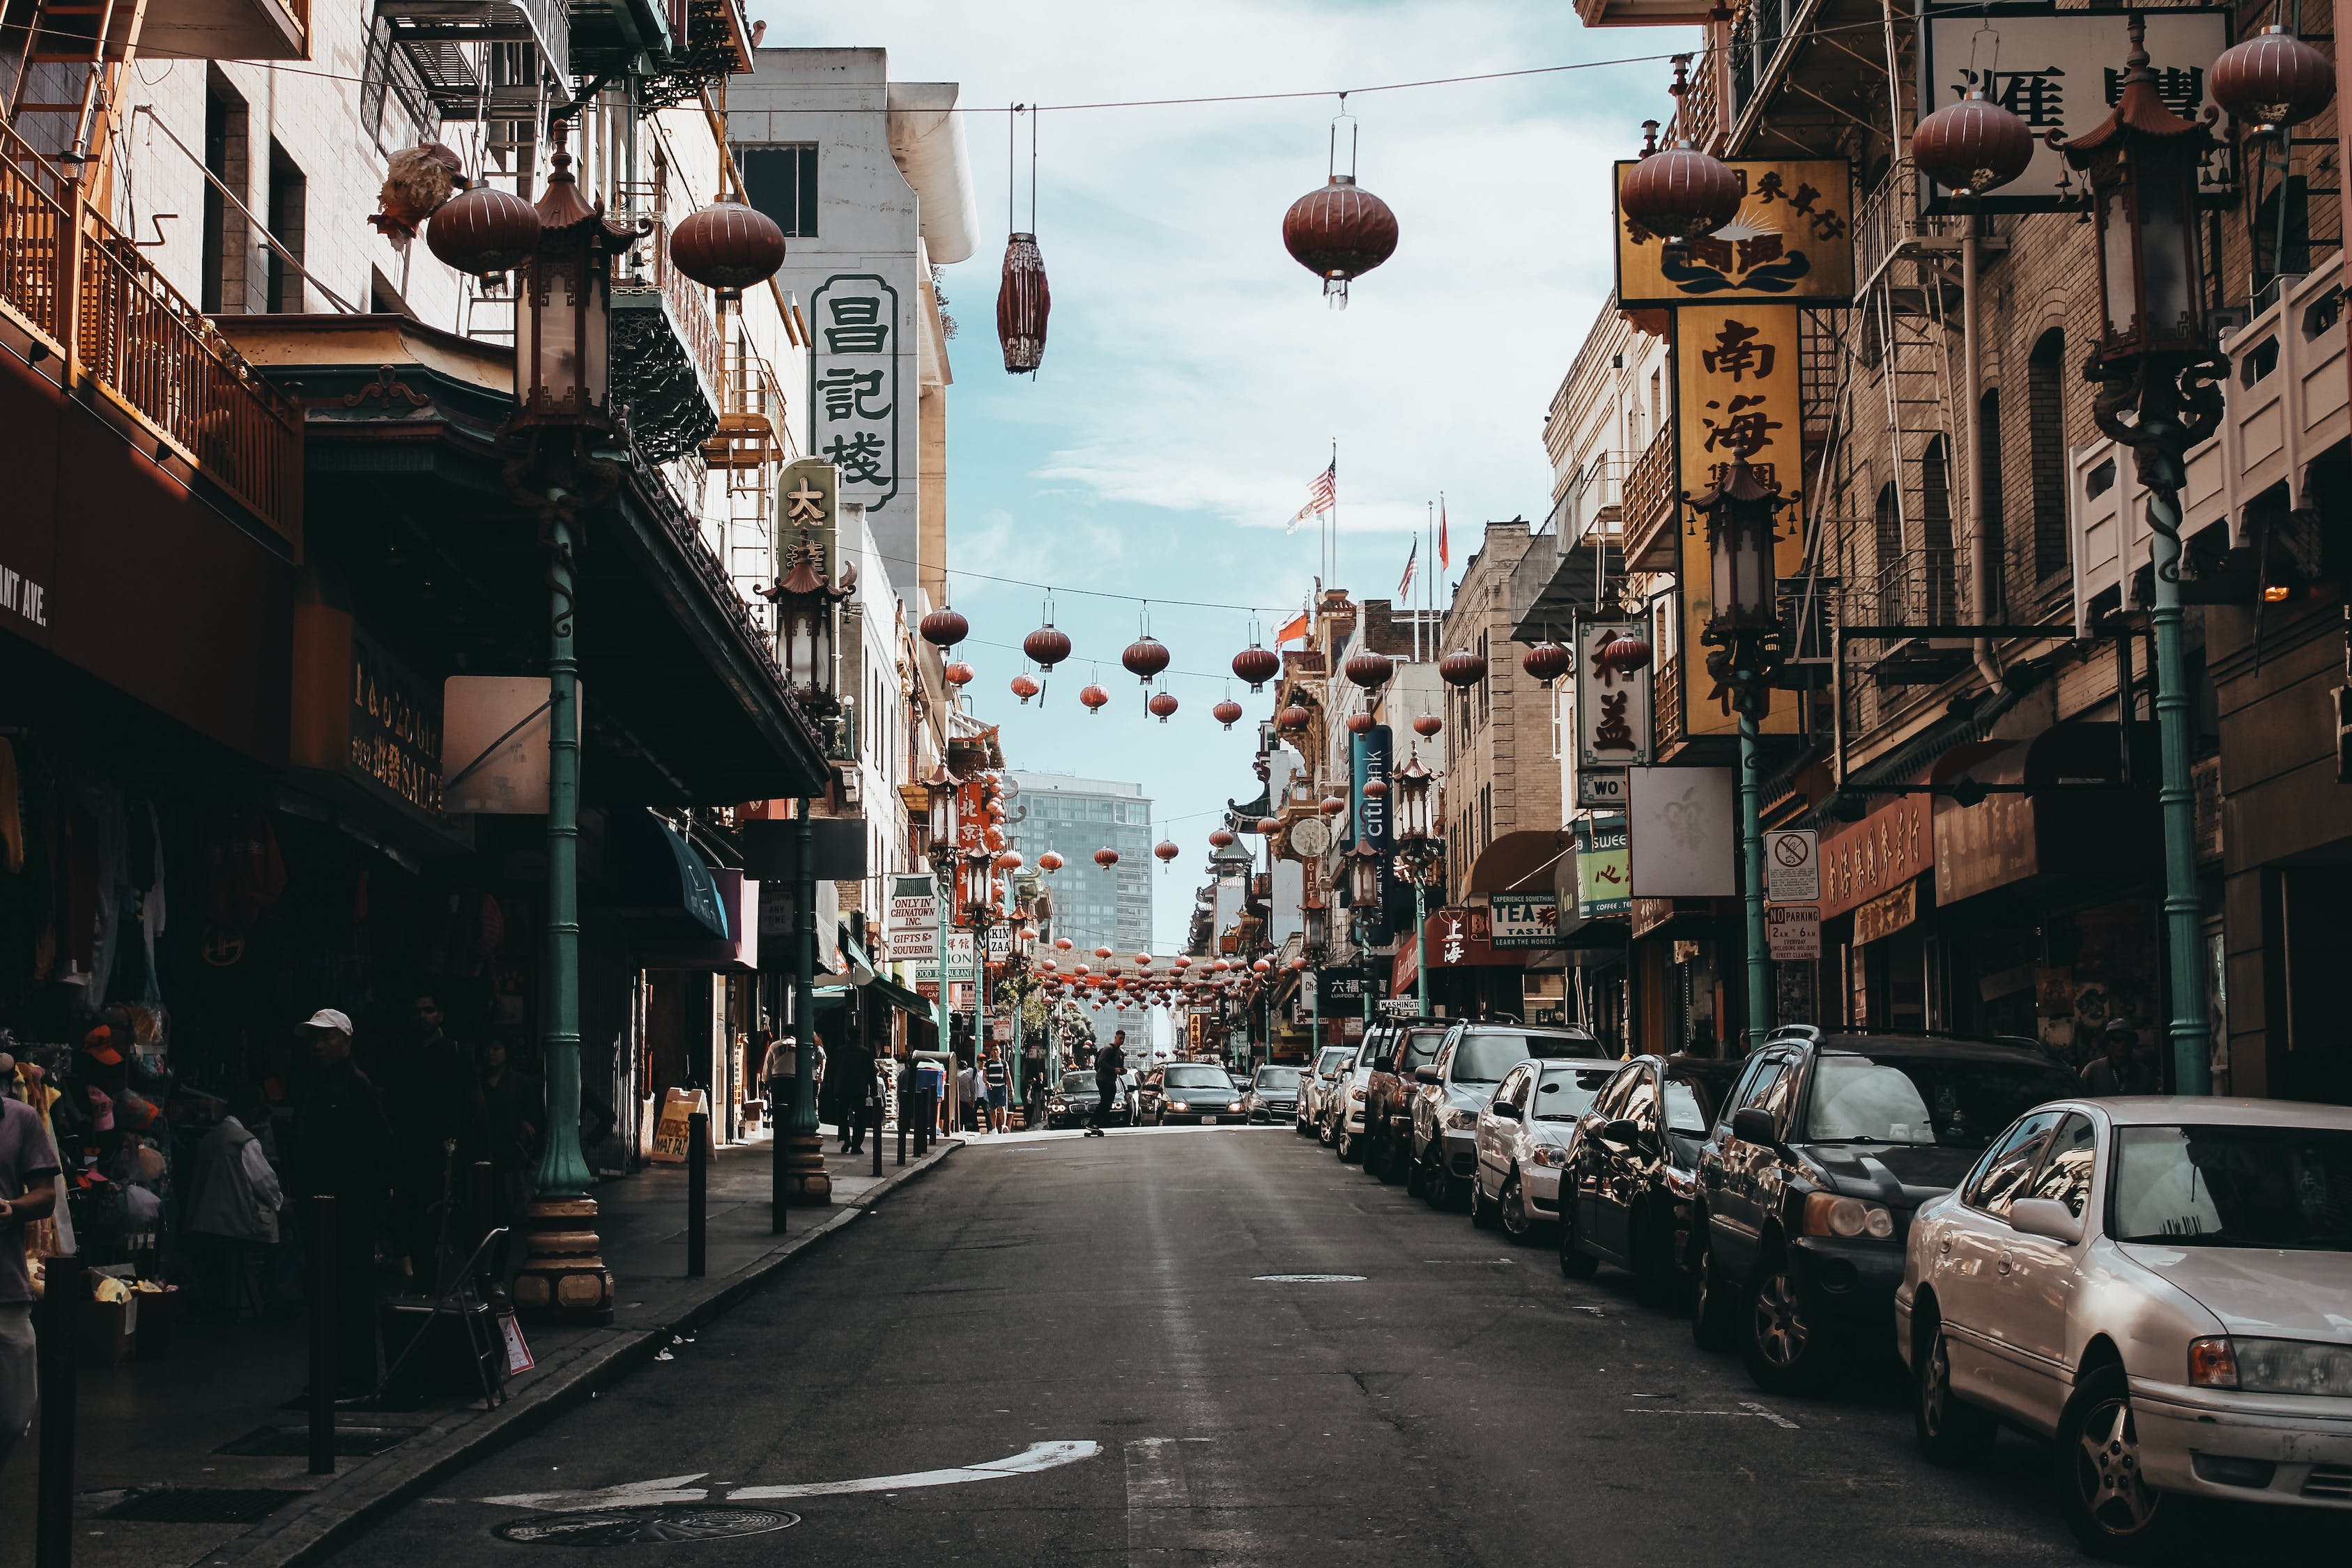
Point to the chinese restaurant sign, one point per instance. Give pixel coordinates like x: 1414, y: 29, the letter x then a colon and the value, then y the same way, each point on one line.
x: 1524, y: 920
x: 2060, y: 72
x: 853, y: 402
x: 1735, y: 373
x: 1793, y: 240
x: 1612, y: 705
x: 1883, y: 850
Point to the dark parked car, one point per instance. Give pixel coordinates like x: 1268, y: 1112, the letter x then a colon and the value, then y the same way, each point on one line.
x: 1073, y: 1104
x: 1626, y: 1195
x: 1403, y: 1045
x: 1197, y: 1092
x: 1455, y: 1087
x: 1273, y: 1093
x: 1825, y: 1149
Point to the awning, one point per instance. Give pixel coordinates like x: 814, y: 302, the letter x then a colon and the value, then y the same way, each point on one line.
x: 657, y: 877
x: 2076, y: 816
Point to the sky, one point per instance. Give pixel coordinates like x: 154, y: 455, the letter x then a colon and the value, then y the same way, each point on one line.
x: 1194, y: 381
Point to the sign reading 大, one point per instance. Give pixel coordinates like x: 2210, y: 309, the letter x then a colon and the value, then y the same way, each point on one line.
x: 853, y: 402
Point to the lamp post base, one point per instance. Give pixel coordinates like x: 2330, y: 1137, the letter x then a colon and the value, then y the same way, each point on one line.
x: 805, y: 1179
x: 562, y: 1279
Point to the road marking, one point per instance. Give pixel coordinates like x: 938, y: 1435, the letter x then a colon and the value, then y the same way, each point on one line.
x: 1309, y: 1279
x: 686, y: 1488
x: 1746, y: 1409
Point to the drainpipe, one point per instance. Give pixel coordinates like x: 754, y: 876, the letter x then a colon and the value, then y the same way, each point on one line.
x: 1981, y: 579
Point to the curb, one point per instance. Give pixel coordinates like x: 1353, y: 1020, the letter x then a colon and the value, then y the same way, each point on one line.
x: 301, y: 1534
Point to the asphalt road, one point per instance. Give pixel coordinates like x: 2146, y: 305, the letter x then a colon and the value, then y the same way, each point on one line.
x: 1461, y: 1404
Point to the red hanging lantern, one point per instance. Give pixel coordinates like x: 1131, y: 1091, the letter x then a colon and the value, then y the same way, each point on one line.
x: 1427, y: 726
x: 1462, y: 668
x: 1062, y: 943
x: 1049, y: 862
x: 1010, y: 860
x: 727, y: 246
x: 1220, y: 838
x: 1022, y: 304
x: 958, y: 674
x: 1106, y: 856
x: 1368, y: 670
x: 1626, y: 653
x: 1973, y: 146
x: 1166, y: 850
x: 1376, y: 789
x: 1268, y: 826
x: 1094, y: 697
x: 1547, y: 661
x: 1023, y: 688
x: 1679, y: 193
x: 1293, y: 719
x: 1102, y: 953
x: 1257, y: 666
x: 1161, y: 705
x: 1262, y: 966
x: 1339, y: 233
x: 483, y: 230
x: 1046, y: 647
x: 1359, y: 723
x: 1333, y: 806
x: 944, y: 628
x: 2271, y: 79
x: 1226, y: 713
x: 1146, y: 657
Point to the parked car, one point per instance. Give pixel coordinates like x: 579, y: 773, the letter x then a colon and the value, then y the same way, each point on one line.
x: 1314, y: 1082
x: 1274, y: 1092
x: 1072, y: 1103
x: 1634, y: 1171
x: 1525, y: 1136
x: 1455, y: 1087
x: 2158, y: 1284
x: 1826, y: 1147
x: 1388, y: 1098
x: 1198, y: 1092
x: 1343, y: 1102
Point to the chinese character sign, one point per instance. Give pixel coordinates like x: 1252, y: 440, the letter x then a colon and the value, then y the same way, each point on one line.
x: 1605, y: 869
x: 1793, y: 240
x: 855, y: 414
x: 1612, y: 705
x: 2060, y: 72
x: 1736, y: 394
x: 807, y: 507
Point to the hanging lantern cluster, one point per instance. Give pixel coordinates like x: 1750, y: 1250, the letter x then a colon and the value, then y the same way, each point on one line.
x: 1342, y: 231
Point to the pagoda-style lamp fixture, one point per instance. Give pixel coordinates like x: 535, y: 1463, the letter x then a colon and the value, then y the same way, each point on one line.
x: 808, y: 626
x: 562, y: 336
x: 1420, y: 851
x: 2155, y: 369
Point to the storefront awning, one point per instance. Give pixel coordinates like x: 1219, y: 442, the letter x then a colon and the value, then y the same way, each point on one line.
x: 657, y: 879
x: 1517, y: 860
x: 2074, y: 817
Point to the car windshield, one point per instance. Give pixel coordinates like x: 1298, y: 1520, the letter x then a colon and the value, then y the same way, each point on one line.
x: 1074, y: 1083
x: 1483, y: 1057
x: 1278, y: 1077
x: 1565, y: 1092
x: 1198, y: 1077
x: 1330, y: 1061
x: 1948, y: 1102
x: 2284, y: 1187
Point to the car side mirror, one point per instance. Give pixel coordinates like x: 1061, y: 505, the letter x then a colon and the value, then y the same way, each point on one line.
x: 1622, y: 1132
x: 1510, y: 1113
x: 1753, y: 1125
x: 2047, y: 1218
x: 1424, y: 1075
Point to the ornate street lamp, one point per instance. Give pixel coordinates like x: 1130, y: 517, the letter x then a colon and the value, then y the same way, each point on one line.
x: 808, y: 626
x: 943, y: 823
x: 1421, y: 853
x: 1363, y: 874
x: 1745, y: 632
x: 2156, y: 371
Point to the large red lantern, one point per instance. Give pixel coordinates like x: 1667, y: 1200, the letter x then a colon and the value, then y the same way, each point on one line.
x: 1268, y: 825
x: 1547, y: 661
x: 1679, y: 193
x: 1167, y: 850
x: 1339, y: 233
x: 1427, y: 726
x: 483, y: 230
x: 958, y: 674
x: 1106, y: 856
x: 1332, y: 805
x: 1462, y: 668
x: 944, y: 628
x: 727, y: 246
x: 1226, y: 713
x: 1368, y: 670
x: 1050, y: 861
x: 1293, y: 719
x: 1025, y: 688
x: 1973, y: 145
x: 1062, y: 943
x: 1163, y: 704
x: 1146, y: 657
x: 1257, y: 666
x: 1022, y: 304
x: 1046, y: 647
x: 2271, y: 79
x: 1094, y: 697
x: 1626, y: 653
x: 1359, y: 723
x: 1220, y: 838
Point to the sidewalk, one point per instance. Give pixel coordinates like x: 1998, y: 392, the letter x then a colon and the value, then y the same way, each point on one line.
x: 153, y: 1436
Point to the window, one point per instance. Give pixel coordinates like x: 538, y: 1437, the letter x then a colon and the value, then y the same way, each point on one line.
x: 1766, y: 1086
x: 2005, y: 1170
x: 287, y: 197
x: 222, y: 289
x: 2045, y: 416
x: 1607, y: 1102
x: 1989, y: 488
x: 1514, y: 1092
x: 1887, y: 522
x: 782, y: 182
x: 2066, y: 1173
x: 1641, y: 1101
x: 2268, y: 1187
x: 1936, y: 531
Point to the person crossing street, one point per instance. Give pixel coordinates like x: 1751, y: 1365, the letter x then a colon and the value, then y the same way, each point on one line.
x: 1109, y: 1063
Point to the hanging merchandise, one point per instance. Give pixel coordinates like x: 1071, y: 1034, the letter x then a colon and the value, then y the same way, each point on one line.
x: 1023, y: 299
x: 1339, y: 232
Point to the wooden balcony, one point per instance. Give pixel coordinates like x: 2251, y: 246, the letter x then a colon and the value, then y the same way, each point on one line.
x: 140, y: 352
x: 1666, y: 707
x: 1649, y: 508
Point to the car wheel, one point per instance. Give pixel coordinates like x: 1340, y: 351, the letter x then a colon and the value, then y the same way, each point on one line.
x: 1432, y: 1182
x: 1574, y: 1262
x: 1782, y: 1352
x: 2113, y: 1510
x: 1482, y: 1210
x: 1710, y: 1307
x: 1347, y: 1146
x: 1518, y: 1220
x: 1654, y: 1280
x: 1323, y: 1132
x: 1951, y: 1432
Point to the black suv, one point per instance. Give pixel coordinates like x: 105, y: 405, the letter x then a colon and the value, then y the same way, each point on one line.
x: 1401, y: 1046
x: 1821, y: 1153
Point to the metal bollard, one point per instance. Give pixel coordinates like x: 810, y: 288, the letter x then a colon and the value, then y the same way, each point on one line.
x: 57, y: 1359
x: 322, y: 1335
x: 906, y: 1116
x: 485, y: 1202
x: 698, y: 1189
x: 874, y: 1117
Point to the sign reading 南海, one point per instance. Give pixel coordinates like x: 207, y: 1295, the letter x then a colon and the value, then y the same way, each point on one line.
x: 853, y: 384
x: 1524, y: 920
x: 2061, y: 71
x: 1792, y: 239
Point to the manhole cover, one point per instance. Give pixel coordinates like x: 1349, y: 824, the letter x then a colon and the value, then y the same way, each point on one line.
x: 1309, y: 1279
x: 635, y: 1526
x: 287, y: 1442
x: 199, y: 1505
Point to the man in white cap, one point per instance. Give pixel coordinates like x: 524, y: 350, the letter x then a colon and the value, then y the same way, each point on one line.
x: 344, y: 1152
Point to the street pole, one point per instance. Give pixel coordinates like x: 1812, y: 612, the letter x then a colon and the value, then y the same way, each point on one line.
x: 804, y: 1167
x: 1751, y: 852
x: 2162, y: 469
x: 1420, y: 938
x: 562, y: 1273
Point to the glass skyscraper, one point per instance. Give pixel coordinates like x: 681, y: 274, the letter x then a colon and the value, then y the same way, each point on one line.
x: 1094, y: 905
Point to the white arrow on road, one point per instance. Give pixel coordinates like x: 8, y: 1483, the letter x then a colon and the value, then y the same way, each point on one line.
x: 683, y: 1488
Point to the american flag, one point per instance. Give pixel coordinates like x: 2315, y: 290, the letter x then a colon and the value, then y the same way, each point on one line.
x: 1322, y: 497
x: 1411, y: 566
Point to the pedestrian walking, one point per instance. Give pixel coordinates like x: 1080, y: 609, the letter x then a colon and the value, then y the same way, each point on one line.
x: 1110, y: 1063
x: 971, y: 1099
x: 28, y: 1193
x: 998, y: 1082
x: 344, y: 1152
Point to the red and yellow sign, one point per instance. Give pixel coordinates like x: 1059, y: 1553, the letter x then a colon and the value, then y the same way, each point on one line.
x: 1793, y: 240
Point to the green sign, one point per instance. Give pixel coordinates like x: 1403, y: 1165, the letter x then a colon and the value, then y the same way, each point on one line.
x: 1605, y: 869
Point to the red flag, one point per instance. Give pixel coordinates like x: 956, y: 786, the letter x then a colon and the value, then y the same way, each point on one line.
x: 1292, y: 630
x: 1445, y: 556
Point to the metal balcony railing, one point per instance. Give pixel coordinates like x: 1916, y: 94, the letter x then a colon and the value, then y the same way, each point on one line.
x: 1648, y: 503
x: 1919, y: 588
x: 668, y: 361
x: 86, y: 293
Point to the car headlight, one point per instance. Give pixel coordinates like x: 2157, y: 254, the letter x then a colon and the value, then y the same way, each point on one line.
x: 1178, y: 1105
x: 1461, y: 1120
x: 2272, y: 1366
x: 1236, y: 1105
x: 1547, y: 1156
x: 1830, y: 1214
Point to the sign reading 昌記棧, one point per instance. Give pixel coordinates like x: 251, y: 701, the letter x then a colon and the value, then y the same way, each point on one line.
x: 1792, y: 239
x: 1736, y: 375
x: 853, y: 401
x: 2060, y: 72
x: 1524, y: 920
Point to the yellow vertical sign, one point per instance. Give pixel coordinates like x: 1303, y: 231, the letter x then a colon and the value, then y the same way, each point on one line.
x: 1735, y: 379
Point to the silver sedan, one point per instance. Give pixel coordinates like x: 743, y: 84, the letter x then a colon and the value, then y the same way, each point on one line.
x: 1525, y: 1138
